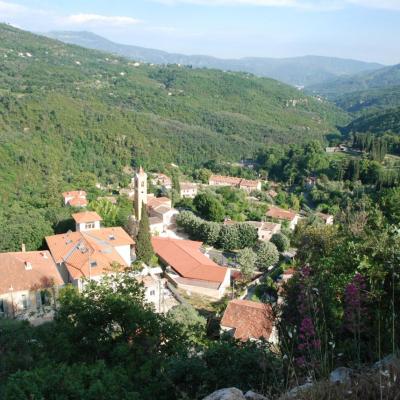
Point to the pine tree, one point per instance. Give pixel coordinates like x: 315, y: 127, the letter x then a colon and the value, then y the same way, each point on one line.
x: 144, y: 248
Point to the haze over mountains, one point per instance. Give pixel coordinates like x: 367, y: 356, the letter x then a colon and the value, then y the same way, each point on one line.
x: 298, y: 71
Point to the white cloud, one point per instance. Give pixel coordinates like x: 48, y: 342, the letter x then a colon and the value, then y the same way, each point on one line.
x: 11, y: 9
x: 382, y: 4
x: 326, y: 5
x: 99, y: 20
x: 317, y: 5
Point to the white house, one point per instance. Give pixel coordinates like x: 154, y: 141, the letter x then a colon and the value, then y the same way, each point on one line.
x: 86, y: 221
x: 91, y: 253
x: 265, y: 230
x: 162, y: 214
x: 188, y: 190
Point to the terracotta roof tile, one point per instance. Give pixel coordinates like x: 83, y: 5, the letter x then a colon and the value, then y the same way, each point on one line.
x: 78, y: 202
x: 74, y: 193
x: 14, y: 273
x: 280, y: 213
x: 185, y: 257
x: 86, y: 216
x: 154, y: 202
x: 76, y: 249
x: 249, y: 319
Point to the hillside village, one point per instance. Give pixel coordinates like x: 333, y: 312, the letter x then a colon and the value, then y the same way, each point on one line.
x: 168, y: 231
x: 183, y: 271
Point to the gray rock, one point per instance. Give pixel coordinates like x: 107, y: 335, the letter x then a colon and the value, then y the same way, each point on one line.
x: 341, y: 375
x: 250, y: 395
x: 226, y: 394
x: 298, y: 389
x: 390, y: 361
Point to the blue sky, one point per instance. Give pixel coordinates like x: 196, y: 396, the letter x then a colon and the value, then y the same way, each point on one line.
x: 361, y: 29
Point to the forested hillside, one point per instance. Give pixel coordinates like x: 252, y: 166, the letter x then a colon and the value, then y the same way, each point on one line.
x: 66, y: 111
x: 364, y: 92
x: 379, y: 122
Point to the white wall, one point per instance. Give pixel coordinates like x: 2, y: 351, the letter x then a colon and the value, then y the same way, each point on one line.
x: 82, y: 226
x: 125, y: 253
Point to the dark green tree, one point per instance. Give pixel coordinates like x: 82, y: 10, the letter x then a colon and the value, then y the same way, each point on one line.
x: 281, y: 241
x: 267, y: 255
x: 209, y: 207
x: 144, y: 248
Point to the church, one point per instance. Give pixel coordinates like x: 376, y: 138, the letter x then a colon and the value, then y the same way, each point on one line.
x: 162, y: 215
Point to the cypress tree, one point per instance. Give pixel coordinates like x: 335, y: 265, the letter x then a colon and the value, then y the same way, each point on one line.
x: 144, y: 248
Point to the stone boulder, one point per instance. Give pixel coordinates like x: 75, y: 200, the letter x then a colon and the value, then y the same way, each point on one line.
x: 250, y: 395
x: 389, y: 362
x: 293, y: 393
x: 341, y: 375
x: 226, y: 394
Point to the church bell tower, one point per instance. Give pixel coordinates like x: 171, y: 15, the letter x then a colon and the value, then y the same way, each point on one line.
x: 140, y: 192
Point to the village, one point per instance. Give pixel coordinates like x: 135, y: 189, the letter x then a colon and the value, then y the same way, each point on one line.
x: 184, y: 271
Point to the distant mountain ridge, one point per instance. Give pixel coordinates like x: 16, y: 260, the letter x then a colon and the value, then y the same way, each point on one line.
x: 385, y: 77
x: 297, y: 71
x: 365, y: 92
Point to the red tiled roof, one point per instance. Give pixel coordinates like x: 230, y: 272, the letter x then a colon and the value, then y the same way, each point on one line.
x: 249, y: 319
x: 280, y: 213
x: 229, y: 180
x: 249, y: 183
x: 74, y: 193
x: 153, y: 202
x: 185, y: 257
x: 15, y: 275
x: 76, y: 249
x: 86, y: 216
x: 78, y: 202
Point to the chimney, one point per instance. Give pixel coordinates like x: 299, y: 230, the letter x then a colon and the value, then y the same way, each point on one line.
x: 28, y: 265
x: 23, y: 248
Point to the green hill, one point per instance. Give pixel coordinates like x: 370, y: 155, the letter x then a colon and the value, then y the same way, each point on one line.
x: 382, y: 78
x: 365, y: 92
x: 377, y: 123
x: 66, y: 111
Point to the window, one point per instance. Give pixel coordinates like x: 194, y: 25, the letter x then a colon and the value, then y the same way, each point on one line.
x: 44, y: 297
x: 152, y: 292
x: 93, y: 264
x: 24, y: 301
x: 89, y: 225
x: 1, y: 306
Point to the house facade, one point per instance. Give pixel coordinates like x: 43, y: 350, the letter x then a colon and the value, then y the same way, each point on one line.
x: 29, y: 285
x: 188, y: 190
x: 188, y: 268
x: 86, y: 221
